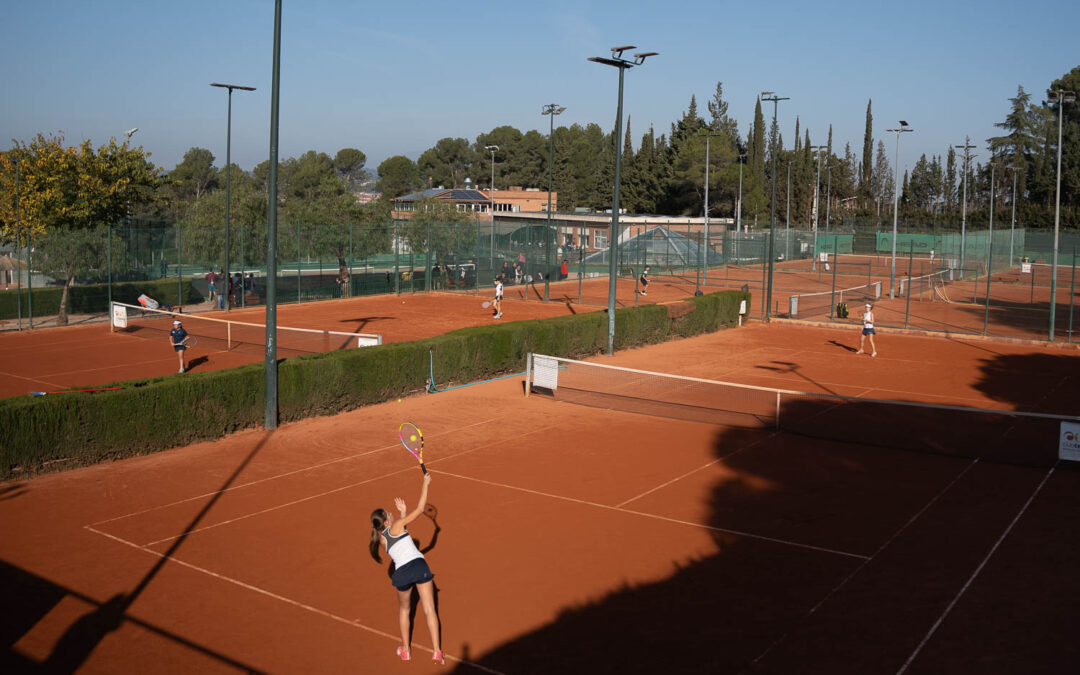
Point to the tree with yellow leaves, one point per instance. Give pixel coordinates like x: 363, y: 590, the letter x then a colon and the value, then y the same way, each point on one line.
x: 68, y: 198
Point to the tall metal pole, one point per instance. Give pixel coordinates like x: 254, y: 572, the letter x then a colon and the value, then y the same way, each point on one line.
x: 494, y: 149
x: 738, y: 210
x: 771, y: 96
x: 787, y: 216
x: 1012, y: 228
x: 814, y: 222
x: 622, y: 64
x: 828, y: 199
x: 228, y: 186
x: 18, y: 258
x: 967, y: 146
x: 1061, y: 97
x: 551, y: 110
x: 271, y: 236
x: 704, y: 277
x: 896, y: 204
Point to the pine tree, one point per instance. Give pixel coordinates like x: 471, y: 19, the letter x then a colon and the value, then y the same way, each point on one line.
x: 756, y: 157
x: 866, y: 178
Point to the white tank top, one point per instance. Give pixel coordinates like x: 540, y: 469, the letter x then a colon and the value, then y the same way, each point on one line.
x: 868, y: 319
x: 401, y: 548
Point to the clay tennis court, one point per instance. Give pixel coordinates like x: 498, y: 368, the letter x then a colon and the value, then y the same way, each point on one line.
x: 89, y: 355
x: 575, y: 539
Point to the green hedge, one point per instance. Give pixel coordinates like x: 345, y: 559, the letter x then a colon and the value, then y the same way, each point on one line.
x: 150, y: 415
x: 94, y: 298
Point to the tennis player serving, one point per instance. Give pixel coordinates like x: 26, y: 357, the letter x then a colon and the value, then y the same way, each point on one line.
x: 410, y: 568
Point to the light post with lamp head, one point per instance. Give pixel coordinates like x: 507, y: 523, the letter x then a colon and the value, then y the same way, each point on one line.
x: 1061, y: 97
x: 896, y: 203
x: 551, y: 110
x: 817, y: 189
x: 493, y: 149
x: 617, y: 61
x: 228, y: 172
x: 771, y: 96
x: 966, y: 147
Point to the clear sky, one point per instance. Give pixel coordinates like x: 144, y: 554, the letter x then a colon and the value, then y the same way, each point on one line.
x: 394, y: 77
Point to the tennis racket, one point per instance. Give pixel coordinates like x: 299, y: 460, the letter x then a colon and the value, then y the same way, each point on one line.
x: 485, y: 304
x: 191, y: 341
x: 413, y: 440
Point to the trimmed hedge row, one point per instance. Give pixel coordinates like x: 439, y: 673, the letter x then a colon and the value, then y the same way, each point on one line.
x: 150, y: 415
x: 94, y: 298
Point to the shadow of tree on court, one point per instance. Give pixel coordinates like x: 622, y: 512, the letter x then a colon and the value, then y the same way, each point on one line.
x: 778, y: 560
x: 87, y: 632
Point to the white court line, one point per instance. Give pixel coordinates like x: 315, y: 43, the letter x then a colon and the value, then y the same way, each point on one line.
x: 971, y: 579
x: 281, y: 475
x: 691, y: 472
x: 862, y: 565
x: 658, y: 517
x: 282, y: 598
x: 310, y: 497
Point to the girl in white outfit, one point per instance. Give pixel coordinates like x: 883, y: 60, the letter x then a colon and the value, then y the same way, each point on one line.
x: 410, y: 569
x: 867, y: 330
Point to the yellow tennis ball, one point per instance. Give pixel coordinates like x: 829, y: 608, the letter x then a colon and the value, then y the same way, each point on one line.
x: 399, y: 400
x: 413, y: 437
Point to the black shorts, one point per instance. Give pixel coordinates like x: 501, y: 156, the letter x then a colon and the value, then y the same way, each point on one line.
x: 413, y: 572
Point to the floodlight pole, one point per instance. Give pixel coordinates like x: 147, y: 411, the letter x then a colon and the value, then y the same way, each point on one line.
x: 271, y: 419
x: 1061, y: 97
x: 551, y: 110
x: 967, y: 146
x: 228, y: 163
x: 616, y: 61
x: 896, y: 203
x: 787, y: 216
x: 817, y: 189
x: 771, y: 96
x: 738, y: 209
x: 1012, y: 228
x: 704, y: 276
x: 493, y: 149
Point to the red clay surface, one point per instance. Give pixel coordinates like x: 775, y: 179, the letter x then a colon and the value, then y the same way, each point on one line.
x: 575, y: 539
x: 89, y: 355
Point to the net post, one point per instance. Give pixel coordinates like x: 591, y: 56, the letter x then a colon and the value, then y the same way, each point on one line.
x: 528, y: 373
x: 777, y: 410
x: 228, y: 336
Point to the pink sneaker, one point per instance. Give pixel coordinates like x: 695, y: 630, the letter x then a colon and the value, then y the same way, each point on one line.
x: 404, y: 653
x: 437, y: 657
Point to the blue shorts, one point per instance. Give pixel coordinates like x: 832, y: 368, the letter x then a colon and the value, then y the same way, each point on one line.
x: 868, y: 331
x: 413, y: 572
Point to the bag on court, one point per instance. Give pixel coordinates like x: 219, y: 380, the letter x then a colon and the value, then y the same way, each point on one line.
x: 841, y: 310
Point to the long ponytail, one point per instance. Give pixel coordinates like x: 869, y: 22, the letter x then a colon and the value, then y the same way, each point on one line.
x: 378, y: 522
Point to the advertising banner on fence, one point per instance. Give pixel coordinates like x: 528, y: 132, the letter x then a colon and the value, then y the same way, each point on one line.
x: 1069, y: 441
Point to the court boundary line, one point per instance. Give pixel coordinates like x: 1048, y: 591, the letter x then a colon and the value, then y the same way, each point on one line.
x: 869, y: 560
x: 277, y: 476
x: 655, y: 516
x: 252, y: 514
x: 281, y: 598
x: 978, y: 570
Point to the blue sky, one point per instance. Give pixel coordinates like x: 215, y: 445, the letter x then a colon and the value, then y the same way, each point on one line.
x: 394, y: 77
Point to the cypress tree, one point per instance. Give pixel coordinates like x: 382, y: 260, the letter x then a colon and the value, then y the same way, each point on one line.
x: 866, y: 191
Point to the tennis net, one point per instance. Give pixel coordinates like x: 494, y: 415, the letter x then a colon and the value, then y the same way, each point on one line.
x: 1009, y: 437
x: 229, y: 335
x: 928, y: 287
x: 815, y: 304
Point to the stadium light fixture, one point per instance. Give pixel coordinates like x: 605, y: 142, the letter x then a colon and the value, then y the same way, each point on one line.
x: 228, y: 186
x: 551, y: 110
x: 771, y: 96
x: 896, y: 203
x: 704, y: 276
x: 966, y: 147
x: 493, y: 149
x: 131, y: 132
x: 1061, y: 97
x: 617, y: 61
